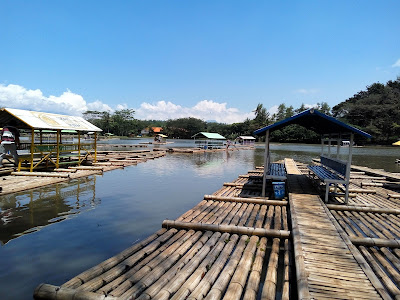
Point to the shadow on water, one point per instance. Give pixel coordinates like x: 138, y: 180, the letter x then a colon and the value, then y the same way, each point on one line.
x: 25, y: 213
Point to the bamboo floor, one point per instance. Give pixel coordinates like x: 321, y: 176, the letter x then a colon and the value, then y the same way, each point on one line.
x: 199, y: 150
x: 236, y: 244
x: 14, y: 182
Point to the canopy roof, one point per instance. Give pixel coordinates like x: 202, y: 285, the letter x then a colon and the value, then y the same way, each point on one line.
x: 162, y: 135
x: 244, y: 137
x: 210, y: 135
x: 40, y: 120
x: 396, y: 144
x: 317, y: 121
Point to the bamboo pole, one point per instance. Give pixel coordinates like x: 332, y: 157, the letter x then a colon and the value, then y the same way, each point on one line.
x: 65, y: 170
x: 47, y: 291
x: 371, y: 242
x: 40, y: 174
x: 227, y: 228
x: 245, y: 200
x: 269, y: 289
x: 363, y: 209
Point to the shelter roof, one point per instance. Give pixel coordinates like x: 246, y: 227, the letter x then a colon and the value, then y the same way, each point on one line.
x: 210, y: 135
x: 156, y: 129
x: 317, y: 121
x: 162, y: 135
x: 245, y: 137
x: 396, y: 144
x: 40, y: 120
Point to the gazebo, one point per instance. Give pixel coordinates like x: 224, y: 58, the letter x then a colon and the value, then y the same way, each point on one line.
x: 246, y: 140
x: 332, y: 132
x: 50, y: 152
x: 209, y: 140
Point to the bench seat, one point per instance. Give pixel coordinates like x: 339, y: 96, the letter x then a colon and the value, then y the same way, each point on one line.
x: 276, y: 171
x: 326, y: 175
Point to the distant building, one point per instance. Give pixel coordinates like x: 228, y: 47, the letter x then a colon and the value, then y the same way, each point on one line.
x: 246, y: 140
x: 145, y: 131
x: 156, y: 129
x: 209, y: 140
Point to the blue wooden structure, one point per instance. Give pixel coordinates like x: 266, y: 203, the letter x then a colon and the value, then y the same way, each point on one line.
x: 332, y: 132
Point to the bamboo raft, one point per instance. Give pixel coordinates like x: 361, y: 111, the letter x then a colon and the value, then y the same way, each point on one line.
x: 13, y: 182
x: 236, y: 244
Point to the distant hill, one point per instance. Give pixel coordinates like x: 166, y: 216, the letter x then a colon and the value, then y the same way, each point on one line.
x: 375, y: 110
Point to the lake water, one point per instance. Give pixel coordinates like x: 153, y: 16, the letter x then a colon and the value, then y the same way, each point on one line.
x: 54, y: 233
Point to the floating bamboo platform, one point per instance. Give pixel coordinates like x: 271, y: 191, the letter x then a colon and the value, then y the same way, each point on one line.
x: 13, y: 182
x: 235, y: 244
x: 200, y: 150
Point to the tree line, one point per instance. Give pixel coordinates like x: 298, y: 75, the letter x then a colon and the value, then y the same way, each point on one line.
x: 375, y: 110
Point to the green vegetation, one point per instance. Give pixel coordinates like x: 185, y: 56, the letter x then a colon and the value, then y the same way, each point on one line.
x: 375, y: 110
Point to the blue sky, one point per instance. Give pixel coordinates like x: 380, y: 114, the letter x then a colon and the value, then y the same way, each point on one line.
x: 207, y: 59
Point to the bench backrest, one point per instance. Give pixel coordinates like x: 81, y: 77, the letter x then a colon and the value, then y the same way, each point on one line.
x: 334, y: 164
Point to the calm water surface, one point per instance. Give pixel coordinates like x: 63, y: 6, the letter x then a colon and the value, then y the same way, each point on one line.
x: 52, y: 234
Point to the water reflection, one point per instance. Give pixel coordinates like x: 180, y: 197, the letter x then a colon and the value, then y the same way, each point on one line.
x: 28, y: 212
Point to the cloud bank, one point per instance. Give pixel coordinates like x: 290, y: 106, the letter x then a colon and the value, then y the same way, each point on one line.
x: 69, y: 103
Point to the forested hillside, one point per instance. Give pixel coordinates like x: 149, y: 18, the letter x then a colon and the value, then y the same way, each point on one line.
x: 375, y: 110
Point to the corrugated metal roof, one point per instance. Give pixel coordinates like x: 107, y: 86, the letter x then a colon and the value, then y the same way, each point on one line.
x: 211, y: 135
x: 316, y: 121
x: 40, y: 120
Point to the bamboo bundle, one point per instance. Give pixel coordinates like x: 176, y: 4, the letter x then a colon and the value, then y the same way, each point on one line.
x: 47, y: 291
x: 167, y: 269
x: 231, y: 214
x: 182, y: 235
x: 209, y: 278
x: 121, y: 267
x: 239, y: 278
x: 176, y: 248
x: 190, y: 211
x: 111, y: 262
x: 372, y: 242
x: 261, y: 217
x: 227, y: 228
x: 363, y: 209
x: 391, y: 287
x: 194, y: 279
x: 245, y: 200
x: 381, y: 227
x: 41, y: 174
x: 193, y: 270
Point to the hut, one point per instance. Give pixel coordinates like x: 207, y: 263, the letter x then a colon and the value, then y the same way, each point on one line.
x: 46, y: 143
x: 160, y: 139
x: 209, y: 140
x: 334, y: 170
x: 246, y: 140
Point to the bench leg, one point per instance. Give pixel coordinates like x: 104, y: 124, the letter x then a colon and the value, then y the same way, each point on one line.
x: 327, y: 192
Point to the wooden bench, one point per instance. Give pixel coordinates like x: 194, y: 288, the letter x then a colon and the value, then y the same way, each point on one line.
x: 276, y: 171
x: 331, y: 171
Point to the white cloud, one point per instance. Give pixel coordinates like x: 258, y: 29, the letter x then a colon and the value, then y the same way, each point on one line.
x: 205, y: 110
x: 306, y: 91
x: 396, y: 64
x: 69, y: 103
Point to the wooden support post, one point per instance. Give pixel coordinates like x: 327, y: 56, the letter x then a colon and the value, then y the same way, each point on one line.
x: 349, y: 168
x: 79, y: 148
x: 58, y: 148
x: 266, y: 163
x: 32, y: 149
x: 95, y: 146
